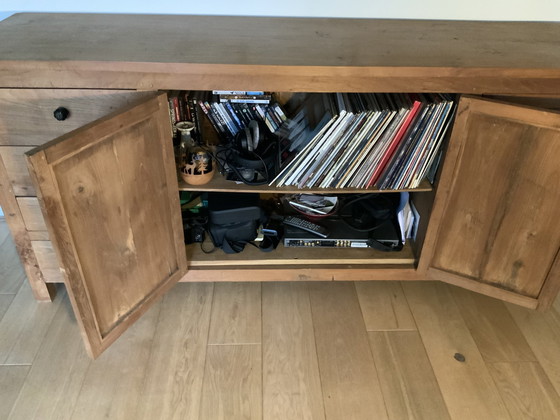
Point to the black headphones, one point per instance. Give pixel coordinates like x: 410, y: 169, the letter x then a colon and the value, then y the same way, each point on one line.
x: 250, y: 137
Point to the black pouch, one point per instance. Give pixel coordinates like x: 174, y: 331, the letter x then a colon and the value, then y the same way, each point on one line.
x: 233, y: 220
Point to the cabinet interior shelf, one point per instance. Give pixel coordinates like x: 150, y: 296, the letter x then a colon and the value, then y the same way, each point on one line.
x: 220, y: 184
x: 304, y: 257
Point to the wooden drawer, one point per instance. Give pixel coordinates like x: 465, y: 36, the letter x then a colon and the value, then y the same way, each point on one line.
x: 16, y: 167
x: 46, y: 258
x: 26, y: 115
x: 31, y: 214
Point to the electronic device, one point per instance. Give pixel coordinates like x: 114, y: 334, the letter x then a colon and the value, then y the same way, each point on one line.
x: 306, y: 225
x: 341, y: 235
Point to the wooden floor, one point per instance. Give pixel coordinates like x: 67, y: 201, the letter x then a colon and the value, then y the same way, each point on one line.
x: 371, y: 350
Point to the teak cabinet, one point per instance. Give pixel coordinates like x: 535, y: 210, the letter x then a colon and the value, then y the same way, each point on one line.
x: 98, y: 207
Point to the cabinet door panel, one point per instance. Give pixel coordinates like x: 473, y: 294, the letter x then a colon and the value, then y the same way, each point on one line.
x: 109, y: 191
x: 498, y: 216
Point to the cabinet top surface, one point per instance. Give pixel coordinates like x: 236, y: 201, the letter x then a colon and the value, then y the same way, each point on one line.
x: 280, y: 41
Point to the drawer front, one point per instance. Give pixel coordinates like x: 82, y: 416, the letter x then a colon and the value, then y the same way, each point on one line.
x: 16, y: 167
x: 46, y: 259
x: 31, y: 214
x: 27, y: 115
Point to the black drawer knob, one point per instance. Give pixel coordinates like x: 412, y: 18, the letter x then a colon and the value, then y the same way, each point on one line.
x: 61, y: 113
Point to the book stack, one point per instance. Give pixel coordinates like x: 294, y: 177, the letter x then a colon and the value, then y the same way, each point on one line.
x: 386, y: 141
x: 182, y: 107
x: 231, y: 111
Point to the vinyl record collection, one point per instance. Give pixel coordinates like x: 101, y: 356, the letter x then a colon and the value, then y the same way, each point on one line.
x: 383, y: 141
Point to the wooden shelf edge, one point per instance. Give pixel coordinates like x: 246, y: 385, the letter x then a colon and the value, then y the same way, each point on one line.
x: 251, y: 257
x: 325, y: 273
x: 220, y: 184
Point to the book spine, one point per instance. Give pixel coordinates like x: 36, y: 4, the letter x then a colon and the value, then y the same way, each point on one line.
x: 211, y: 118
x: 196, y: 134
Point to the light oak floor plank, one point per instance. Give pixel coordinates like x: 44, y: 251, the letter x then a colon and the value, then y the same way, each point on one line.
x: 24, y: 326
x: 467, y: 387
x: 542, y: 331
x: 112, y: 386
x: 351, y: 389
x: 12, y: 274
x: 11, y: 382
x: 384, y: 306
x: 291, y: 382
x: 5, y: 302
x: 496, y: 334
x: 236, y: 314
x: 526, y: 390
x: 232, y: 383
x: 54, y: 381
x: 173, y: 383
x: 410, y: 388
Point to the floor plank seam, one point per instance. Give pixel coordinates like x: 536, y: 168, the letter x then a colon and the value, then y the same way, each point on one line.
x: 200, y: 400
x: 152, y: 345
x: 313, y: 317
x: 15, y: 364
x: 422, y: 340
x: 371, y: 353
x: 14, y: 404
x: 391, y: 330
x: 233, y: 344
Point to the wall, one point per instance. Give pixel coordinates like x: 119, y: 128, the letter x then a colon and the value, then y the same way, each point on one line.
x: 547, y: 10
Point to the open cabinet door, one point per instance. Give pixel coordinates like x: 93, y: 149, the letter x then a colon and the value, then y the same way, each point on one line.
x: 109, y: 194
x: 495, y: 225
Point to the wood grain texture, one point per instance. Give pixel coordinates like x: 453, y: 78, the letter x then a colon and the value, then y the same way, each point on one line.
x: 14, y: 220
x: 542, y: 331
x: 175, y: 370
x: 291, y: 381
x: 220, y: 184
x: 384, y: 306
x: 48, y: 263
x: 232, y: 383
x: 115, y: 266
x: 351, y: 388
x: 112, y: 386
x: 31, y: 213
x: 24, y: 326
x: 57, y: 372
x: 16, y: 168
x: 410, y: 388
x: 11, y: 382
x: 295, y: 273
x: 210, y: 52
x: 509, y: 238
x: 444, y: 334
x: 492, y: 327
x: 526, y: 390
x: 236, y: 314
x: 305, y: 257
x: 26, y: 115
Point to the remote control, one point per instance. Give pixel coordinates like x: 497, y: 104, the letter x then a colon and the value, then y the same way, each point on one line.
x: 307, y: 226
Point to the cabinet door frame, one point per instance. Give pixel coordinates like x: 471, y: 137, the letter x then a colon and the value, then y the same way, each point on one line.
x: 57, y: 203
x: 445, y: 187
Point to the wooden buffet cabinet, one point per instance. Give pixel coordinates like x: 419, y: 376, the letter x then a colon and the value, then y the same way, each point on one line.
x: 110, y: 225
